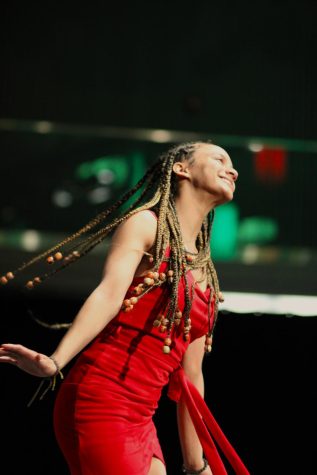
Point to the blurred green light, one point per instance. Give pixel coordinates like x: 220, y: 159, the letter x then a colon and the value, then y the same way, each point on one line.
x: 225, y: 232
x: 118, y: 165
x: 257, y: 230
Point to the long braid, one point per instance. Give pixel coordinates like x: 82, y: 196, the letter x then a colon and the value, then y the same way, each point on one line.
x: 158, y: 191
x: 91, y: 224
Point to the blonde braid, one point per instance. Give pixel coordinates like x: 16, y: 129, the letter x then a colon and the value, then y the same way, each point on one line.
x: 160, y: 184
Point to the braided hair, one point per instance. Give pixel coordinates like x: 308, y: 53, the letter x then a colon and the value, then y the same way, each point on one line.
x: 157, y: 190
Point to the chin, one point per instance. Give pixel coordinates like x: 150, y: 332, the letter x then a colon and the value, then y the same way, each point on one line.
x: 225, y: 198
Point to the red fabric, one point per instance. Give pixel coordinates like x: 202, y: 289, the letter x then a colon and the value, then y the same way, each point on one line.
x: 104, y: 407
x: 203, y: 421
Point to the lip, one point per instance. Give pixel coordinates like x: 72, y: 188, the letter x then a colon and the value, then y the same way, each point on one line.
x: 230, y: 182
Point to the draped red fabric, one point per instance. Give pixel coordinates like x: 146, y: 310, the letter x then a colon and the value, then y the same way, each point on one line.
x: 104, y: 409
x: 205, y: 424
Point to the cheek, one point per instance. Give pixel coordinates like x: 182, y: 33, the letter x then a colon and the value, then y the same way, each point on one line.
x: 201, y: 178
x: 206, y: 181
x: 205, y: 176
x: 207, y: 172
x: 209, y: 176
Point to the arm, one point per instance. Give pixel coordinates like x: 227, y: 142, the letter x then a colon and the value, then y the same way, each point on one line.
x: 190, y: 445
x: 129, y: 242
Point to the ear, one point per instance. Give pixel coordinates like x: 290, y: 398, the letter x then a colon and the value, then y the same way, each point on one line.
x: 181, y: 169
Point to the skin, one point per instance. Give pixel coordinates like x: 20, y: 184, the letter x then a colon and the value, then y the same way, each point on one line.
x: 206, y: 181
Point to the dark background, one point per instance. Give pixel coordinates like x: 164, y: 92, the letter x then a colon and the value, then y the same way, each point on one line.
x: 228, y: 67
x: 237, y: 68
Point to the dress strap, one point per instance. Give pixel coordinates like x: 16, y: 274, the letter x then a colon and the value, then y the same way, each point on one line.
x: 205, y: 425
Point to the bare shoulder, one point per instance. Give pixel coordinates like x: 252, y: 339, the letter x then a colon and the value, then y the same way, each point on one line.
x: 140, y: 226
x: 146, y: 215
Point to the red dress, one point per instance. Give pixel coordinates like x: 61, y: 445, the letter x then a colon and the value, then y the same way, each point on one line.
x: 104, y: 408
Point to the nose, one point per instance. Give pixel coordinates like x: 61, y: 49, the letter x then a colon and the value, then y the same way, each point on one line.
x: 233, y: 173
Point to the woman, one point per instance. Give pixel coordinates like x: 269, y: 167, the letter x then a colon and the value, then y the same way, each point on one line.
x: 149, y: 322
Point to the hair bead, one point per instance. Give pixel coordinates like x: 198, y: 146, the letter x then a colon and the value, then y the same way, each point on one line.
x: 29, y: 285
x: 137, y: 290
x: 128, y: 308
x: 157, y: 190
x: 208, y: 340
x: 58, y: 256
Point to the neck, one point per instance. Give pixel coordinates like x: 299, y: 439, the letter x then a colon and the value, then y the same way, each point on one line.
x: 191, y: 211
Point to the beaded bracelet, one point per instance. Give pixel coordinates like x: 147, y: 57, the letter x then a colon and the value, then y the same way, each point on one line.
x: 195, y: 472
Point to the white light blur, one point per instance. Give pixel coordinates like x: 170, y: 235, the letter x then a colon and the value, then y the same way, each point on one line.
x: 30, y: 240
x: 99, y: 195
x: 62, y: 198
x: 161, y: 136
x: 255, y: 147
x: 299, y: 305
x: 105, y: 177
x: 43, y: 127
x: 250, y: 254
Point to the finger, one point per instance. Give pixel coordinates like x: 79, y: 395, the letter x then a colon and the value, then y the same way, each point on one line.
x: 19, y: 350
x: 13, y: 346
x: 7, y: 359
x: 11, y: 354
x: 7, y: 353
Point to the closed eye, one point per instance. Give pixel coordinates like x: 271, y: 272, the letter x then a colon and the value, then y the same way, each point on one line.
x: 223, y: 159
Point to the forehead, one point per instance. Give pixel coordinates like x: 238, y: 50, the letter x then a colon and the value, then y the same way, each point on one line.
x: 211, y: 150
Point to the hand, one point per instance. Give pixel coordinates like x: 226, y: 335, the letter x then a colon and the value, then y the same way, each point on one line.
x: 27, y: 360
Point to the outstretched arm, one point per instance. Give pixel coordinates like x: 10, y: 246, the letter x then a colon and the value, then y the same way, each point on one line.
x: 191, y: 448
x: 129, y: 242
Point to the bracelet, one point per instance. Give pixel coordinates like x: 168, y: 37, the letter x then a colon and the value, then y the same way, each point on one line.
x: 195, y: 472
x: 58, y: 370
x: 51, y: 382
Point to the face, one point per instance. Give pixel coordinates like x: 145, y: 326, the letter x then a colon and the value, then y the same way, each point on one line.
x: 211, y: 170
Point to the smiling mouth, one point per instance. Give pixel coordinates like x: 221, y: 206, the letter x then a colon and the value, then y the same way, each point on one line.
x: 230, y: 182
